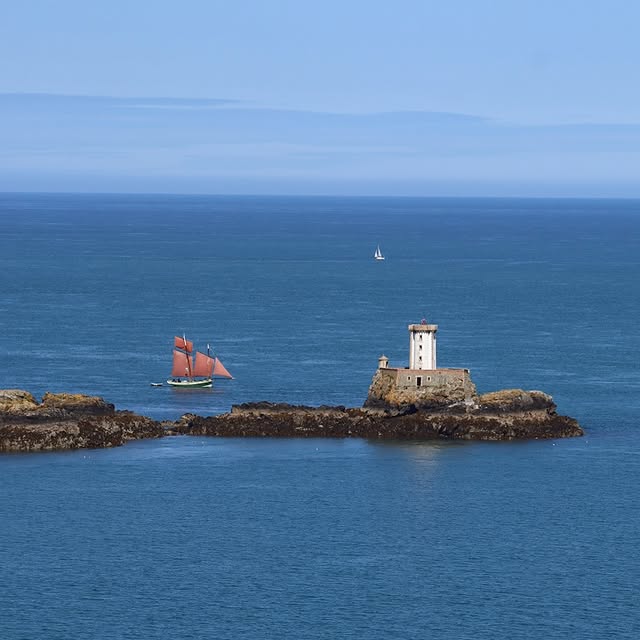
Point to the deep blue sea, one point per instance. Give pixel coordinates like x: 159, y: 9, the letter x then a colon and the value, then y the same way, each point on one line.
x: 188, y: 538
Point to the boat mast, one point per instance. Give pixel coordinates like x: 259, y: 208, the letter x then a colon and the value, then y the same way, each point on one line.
x: 184, y: 337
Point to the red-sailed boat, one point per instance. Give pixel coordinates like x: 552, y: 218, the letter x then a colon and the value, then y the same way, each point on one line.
x: 187, y: 374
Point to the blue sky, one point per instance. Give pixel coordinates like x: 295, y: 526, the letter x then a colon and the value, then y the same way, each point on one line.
x: 352, y: 97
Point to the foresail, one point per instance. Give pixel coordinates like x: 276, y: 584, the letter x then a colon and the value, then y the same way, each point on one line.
x: 204, y: 365
x: 182, y: 365
x: 219, y: 370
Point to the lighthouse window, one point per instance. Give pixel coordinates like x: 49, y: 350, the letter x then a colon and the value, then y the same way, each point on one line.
x: 420, y: 347
x: 418, y: 381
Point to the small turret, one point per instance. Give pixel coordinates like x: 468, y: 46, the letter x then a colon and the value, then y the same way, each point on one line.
x: 383, y: 362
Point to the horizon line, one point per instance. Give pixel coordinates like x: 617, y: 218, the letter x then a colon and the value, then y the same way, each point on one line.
x: 314, y: 195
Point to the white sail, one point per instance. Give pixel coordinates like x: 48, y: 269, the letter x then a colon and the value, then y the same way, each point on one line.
x: 378, y: 254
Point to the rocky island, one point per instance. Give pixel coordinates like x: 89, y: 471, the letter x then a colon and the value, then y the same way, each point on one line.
x: 74, y: 421
x: 503, y: 415
x: 418, y: 402
x: 67, y: 421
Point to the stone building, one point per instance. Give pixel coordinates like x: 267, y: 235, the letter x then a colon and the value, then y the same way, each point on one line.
x: 421, y: 384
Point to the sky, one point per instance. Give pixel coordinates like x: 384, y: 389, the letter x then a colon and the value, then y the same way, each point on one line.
x: 463, y: 97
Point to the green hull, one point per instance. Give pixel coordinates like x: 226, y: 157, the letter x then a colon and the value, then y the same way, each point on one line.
x: 191, y: 384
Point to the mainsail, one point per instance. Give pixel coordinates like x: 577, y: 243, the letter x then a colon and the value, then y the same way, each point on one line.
x: 182, y: 364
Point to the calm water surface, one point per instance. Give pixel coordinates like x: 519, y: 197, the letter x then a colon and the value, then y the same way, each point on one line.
x: 198, y: 538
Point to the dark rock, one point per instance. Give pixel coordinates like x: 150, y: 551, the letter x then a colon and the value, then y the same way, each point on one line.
x: 67, y: 421
x: 524, y: 415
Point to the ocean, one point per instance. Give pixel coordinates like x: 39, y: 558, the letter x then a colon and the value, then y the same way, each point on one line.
x: 229, y: 538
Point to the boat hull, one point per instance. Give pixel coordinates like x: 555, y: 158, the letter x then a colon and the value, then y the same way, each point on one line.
x: 191, y: 384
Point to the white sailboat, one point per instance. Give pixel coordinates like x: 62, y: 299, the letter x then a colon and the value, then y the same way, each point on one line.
x: 378, y: 254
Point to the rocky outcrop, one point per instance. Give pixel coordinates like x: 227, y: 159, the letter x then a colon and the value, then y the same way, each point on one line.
x: 67, y: 421
x: 513, y: 400
x: 439, y: 389
x: 505, y: 415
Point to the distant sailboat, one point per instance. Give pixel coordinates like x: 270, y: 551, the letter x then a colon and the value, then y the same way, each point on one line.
x: 189, y: 375
x: 378, y: 254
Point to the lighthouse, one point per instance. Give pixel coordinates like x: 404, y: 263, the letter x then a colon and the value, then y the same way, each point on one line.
x: 422, y: 346
x: 420, y: 384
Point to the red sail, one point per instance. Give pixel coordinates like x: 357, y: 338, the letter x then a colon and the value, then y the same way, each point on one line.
x: 181, y: 343
x: 182, y: 365
x: 204, y: 365
x: 219, y: 370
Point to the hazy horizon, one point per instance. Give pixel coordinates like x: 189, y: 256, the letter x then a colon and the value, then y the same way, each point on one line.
x: 327, y: 196
x: 419, y: 99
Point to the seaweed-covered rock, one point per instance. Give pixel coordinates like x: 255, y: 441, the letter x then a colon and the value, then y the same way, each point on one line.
x: 524, y: 415
x: 72, y: 421
x: 67, y: 421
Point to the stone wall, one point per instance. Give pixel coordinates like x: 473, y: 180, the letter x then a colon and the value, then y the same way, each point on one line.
x: 424, y: 389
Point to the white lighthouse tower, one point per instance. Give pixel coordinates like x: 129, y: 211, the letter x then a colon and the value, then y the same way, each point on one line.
x: 422, y: 346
